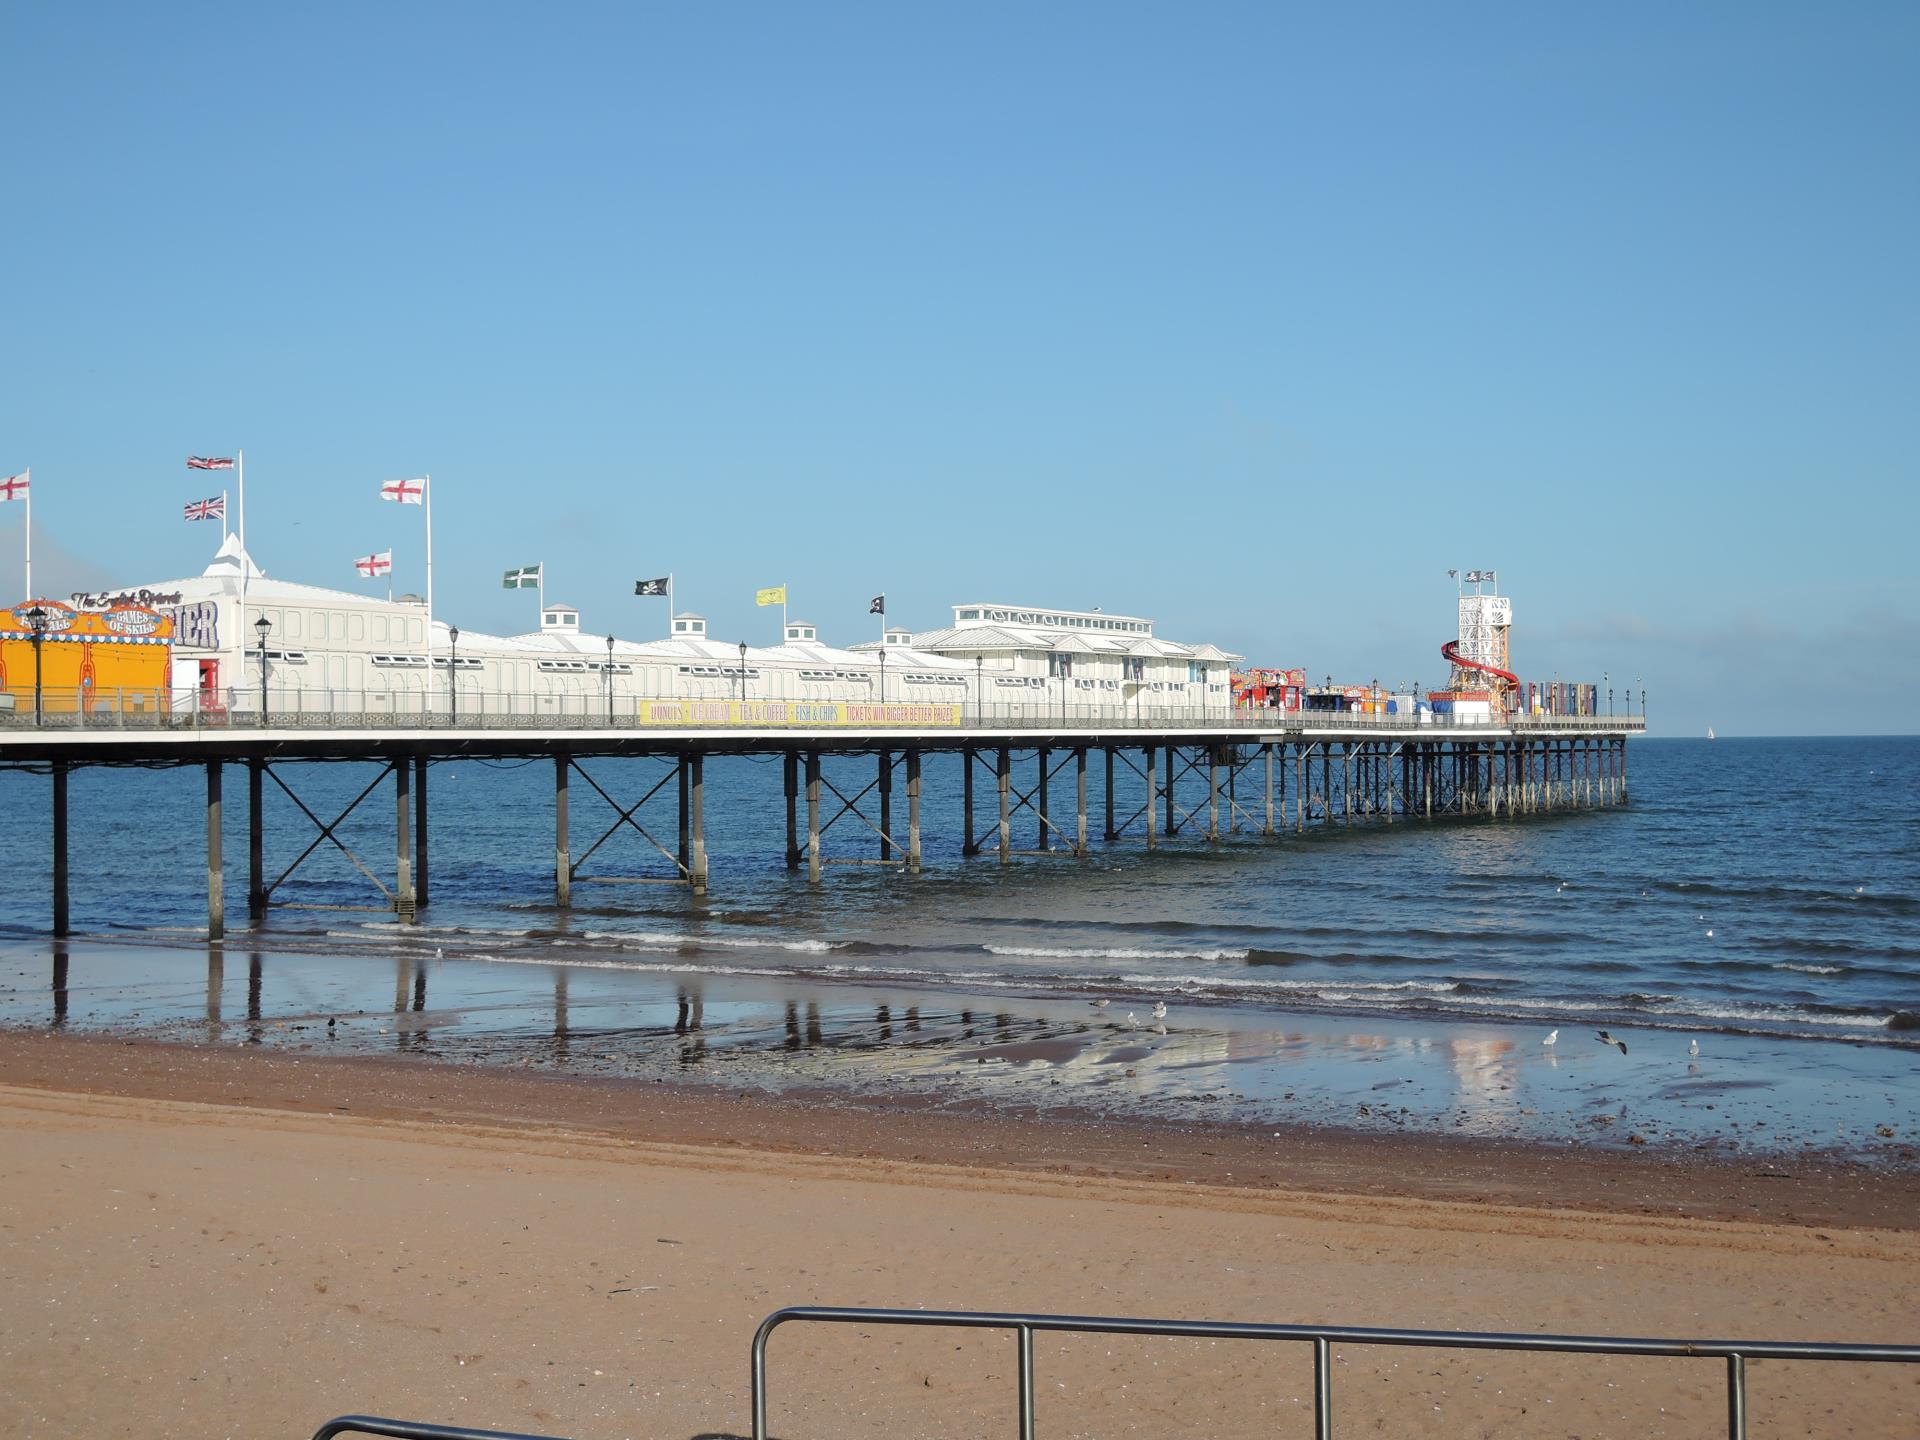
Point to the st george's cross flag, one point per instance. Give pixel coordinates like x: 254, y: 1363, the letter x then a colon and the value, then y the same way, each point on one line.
x: 651, y: 587
x: 525, y: 578
x: 14, y: 487
x: 372, y: 565
x: 214, y: 507
x: 406, y: 492
x: 201, y: 462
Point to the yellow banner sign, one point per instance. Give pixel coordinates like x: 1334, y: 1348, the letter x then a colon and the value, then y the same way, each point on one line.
x: 794, y: 712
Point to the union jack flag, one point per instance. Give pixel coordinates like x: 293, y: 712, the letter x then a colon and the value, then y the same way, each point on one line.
x: 213, y: 508
x: 14, y: 487
x: 371, y: 565
x: 407, y: 492
x: 201, y: 462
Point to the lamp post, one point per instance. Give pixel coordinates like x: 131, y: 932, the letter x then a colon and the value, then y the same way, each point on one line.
x: 980, y: 687
x: 1607, y: 677
x: 37, y: 623
x: 883, y: 674
x: 263, y: 627
x: 609, y: 679
x: 743, y: 672
x: 453, y: 675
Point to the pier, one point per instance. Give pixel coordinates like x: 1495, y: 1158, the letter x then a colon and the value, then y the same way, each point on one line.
x: 1027, y: 780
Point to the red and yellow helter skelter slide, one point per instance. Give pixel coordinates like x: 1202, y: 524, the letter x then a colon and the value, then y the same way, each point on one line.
x: 1451, y: 650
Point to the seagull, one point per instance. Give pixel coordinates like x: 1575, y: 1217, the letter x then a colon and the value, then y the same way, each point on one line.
x: 1606, y: 1039
x: 1693, y: 1047
x: 1553, y: 1038
x: 438, y: 952
x: 1709, y: 934
x: 1099, y: 1004
x: 1159, y: 1009
x: 1133, y: 1021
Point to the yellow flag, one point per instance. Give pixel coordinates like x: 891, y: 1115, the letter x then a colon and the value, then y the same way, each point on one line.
x: 777, y: 595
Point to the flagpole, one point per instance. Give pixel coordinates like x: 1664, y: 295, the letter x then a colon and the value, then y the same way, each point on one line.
x: 223, y: 517
x: 669, y: 604
x: 28, y: 472
x: 540, y: 576
x: 246, y: 564
x: 426, y: 497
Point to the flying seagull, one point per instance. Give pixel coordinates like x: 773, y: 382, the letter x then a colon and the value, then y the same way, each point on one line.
x: 1607, y: 1039
x: 1553, y: 1038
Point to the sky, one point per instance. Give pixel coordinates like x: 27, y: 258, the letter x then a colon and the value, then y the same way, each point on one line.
x: 1254, y: 320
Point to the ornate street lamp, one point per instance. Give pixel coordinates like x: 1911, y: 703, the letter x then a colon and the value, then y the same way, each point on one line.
x: 743, y: 672
x: 37, y: 623
x: 453, y: 675
x: 609, y: 679
x: 262, y: 627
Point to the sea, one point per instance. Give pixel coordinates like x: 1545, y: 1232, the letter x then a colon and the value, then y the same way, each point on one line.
x: 1756, y: 903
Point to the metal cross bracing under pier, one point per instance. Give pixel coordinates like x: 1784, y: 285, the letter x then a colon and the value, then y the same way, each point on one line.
x: 1209, y: 782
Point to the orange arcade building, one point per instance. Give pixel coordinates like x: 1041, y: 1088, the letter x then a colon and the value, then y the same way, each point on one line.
x: 118, y: 658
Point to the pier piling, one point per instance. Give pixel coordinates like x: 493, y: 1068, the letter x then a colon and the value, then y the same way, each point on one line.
x: 697, y: 783
x: 216, y: 875
x: 419, y: 831
x: 790, y: 781
x: 403, y: 901
x: 562, y: 859
x: 913, y: 812
x: 256, y: 843
x: 813, y: 816
x: 62, y: 919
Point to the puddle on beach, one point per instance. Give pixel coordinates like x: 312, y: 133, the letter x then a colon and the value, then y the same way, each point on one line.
x: 1245, y: 1067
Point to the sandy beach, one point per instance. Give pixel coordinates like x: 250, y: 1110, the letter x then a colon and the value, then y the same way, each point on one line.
x: 222, y: 1242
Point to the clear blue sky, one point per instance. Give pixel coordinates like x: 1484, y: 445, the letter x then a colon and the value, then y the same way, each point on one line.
x: 1252, y: 319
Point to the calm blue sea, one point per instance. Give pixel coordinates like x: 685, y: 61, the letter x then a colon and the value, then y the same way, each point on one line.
x: 1762, y: 886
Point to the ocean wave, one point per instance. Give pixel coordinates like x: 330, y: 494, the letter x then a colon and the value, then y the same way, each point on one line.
x: 1810, y: 969
x: 673, y: 939
x: 1095, y: 952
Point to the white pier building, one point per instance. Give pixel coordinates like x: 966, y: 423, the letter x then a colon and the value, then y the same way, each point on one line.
x: 328, y: 650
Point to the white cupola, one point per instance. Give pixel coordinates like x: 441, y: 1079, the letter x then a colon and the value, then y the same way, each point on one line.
x: 800, y: 630
x: 899, y: 639
x: 689, y: 626
x: 559, y: 620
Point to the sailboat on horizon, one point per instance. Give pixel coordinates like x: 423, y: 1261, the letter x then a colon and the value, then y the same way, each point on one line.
x: 1710, y: 734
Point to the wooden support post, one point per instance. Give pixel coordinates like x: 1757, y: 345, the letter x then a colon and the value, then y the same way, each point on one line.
x: 256, y: 844
x: 216, y: 864
x: 885, y: 779
x: 813, y: 816
x: 1043, y: 839
x: 1386, y: 778
x: 1213, y: 792
x: 419, y: 831
x: 62, y: 919
x: 697, y: 776
x: 913, y: 812
x: 1267, y: 753
x: 1173, y: 819
x: 562, y: 859
x: 1111, y: 833
x: 1153, y: 799
x: 1300, y: 790
x: 967, y: 845
x: 1080, y: 800
x: 403, y: 902
x: 683, y: 848
x: 1004, y: 775
x: 790, y: 779
x: 1346, y: 781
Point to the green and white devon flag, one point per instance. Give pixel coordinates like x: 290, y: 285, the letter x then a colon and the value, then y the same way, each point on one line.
x: 526, y: 577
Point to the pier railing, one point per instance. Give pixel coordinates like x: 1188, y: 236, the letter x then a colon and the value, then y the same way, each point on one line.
x: 313, y: 710
x: 1733, y: 1354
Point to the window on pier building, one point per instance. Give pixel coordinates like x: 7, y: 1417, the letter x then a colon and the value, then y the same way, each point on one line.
x: 1196, y: 672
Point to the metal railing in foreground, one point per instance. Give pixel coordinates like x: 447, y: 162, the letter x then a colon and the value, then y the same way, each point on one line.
x: 412, y: 1430
x: 1735, y: 1353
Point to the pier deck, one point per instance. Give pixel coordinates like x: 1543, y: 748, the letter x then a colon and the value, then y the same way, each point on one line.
x: 1247, y: 772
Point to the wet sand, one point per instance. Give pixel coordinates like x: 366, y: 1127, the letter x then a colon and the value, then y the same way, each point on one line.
x: 212, y: 1240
